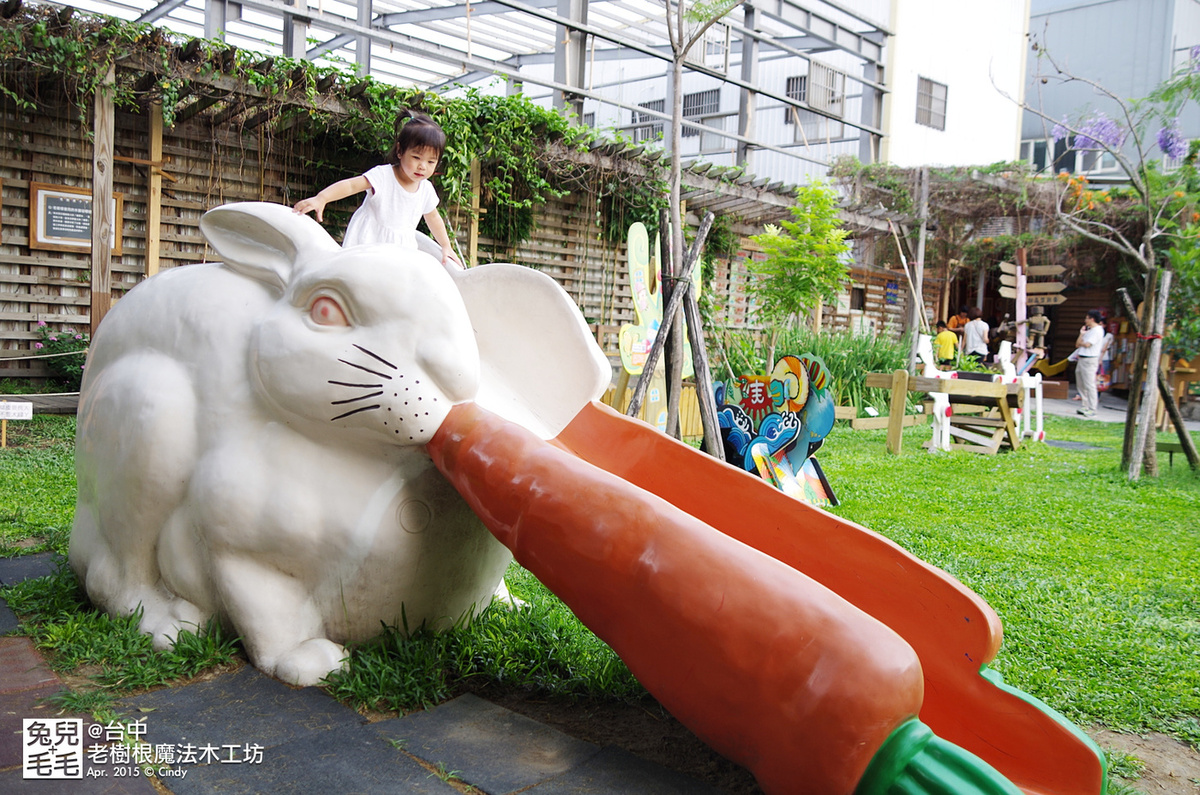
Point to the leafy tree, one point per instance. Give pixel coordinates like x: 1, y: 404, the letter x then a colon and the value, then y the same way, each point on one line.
x: 806, y: 259
x: 686, y: 26
x: 1162, y: 214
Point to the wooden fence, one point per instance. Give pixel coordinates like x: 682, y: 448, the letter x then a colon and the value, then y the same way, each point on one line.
x: 167, y: 178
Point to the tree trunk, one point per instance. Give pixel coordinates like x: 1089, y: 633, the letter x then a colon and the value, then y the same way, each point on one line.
x: 673, y: 329
x: 1137, y: 373
x: 916, y: 319
x: 1144, y: 450
x: 1164, y: 392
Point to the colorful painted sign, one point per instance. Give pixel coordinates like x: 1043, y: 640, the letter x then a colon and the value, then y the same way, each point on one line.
x: 774, y: 424
x: 635, y: 339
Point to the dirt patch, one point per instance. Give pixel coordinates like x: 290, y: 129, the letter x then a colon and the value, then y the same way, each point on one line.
x: 1171, y: 767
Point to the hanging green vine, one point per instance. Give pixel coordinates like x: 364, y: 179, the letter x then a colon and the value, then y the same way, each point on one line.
x: 350, y: 119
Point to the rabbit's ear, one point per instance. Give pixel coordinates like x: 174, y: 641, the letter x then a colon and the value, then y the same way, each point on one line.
x: 263, y: 240
x: 539, y: 362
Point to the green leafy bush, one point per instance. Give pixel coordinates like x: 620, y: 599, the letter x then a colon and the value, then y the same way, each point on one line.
x: 66, y: 350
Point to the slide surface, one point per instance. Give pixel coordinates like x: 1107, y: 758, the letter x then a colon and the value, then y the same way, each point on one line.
x: 953, y: 631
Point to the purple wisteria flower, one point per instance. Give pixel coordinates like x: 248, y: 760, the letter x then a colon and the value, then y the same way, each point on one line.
x: 41, y: 323
x: 52, y: 338
x: 78, y: 336
x: 1194, y: 58
x: 1097, y: 132
x: 1060, y: 131
x: 1171, y: 141
x: 38, y: 345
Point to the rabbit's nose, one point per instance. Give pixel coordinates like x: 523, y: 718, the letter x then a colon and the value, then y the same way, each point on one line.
x: 452, y: 364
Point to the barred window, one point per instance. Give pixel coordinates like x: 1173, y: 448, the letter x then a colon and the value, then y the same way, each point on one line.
x: 651, y: 126
x: 699, y: 105
x: 931, y: 103
x: 797, y: 89
x: 826, y: 89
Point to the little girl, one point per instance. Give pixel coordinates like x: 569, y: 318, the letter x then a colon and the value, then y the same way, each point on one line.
x: 398, y: 194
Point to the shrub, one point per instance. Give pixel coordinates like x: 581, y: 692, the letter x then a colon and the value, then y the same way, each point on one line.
x: 67, y: 349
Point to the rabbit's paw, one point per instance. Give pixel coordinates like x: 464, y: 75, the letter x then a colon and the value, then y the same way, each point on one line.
x: 175, y: 616
x: 505, y: 597
x: 310, y: 662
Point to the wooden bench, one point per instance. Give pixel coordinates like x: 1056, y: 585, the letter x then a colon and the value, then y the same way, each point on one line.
x: 1170, y: 448
x: 983, y: 428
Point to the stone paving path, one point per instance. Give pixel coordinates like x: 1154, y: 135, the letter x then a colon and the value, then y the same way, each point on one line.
x: 242, y: 732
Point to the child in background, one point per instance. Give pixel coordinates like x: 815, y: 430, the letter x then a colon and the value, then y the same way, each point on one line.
x: 398, y: 193
x: 945, y: 344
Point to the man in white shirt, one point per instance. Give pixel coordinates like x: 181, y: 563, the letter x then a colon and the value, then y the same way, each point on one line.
x: 975, y: 335
x: 1088, y: 346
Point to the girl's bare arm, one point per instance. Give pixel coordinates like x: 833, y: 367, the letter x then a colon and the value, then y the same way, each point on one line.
x: 438, y: 227
x: 338, y: 190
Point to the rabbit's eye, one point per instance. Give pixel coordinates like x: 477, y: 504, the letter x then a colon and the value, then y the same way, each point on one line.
x: 326, y: 312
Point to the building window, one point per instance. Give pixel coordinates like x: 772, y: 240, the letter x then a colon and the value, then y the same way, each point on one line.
x: 589, y: 120
x: 931, y: 103
x: 647, y: 127
x: 699, y: 107
x: 858, y: 299
x: 797, y: 89
x: 823, y: 89
x: 826, y: 89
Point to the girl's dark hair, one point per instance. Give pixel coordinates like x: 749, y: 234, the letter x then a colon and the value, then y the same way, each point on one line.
x: 415, y: 130
x: 1096, y: 315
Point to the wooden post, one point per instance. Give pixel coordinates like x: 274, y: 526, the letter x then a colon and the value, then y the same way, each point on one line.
x: 671, y: 330
x: 895, y: 434
x: 1022, y: 343
x: 713, y: 443
x: 473, y: 234
x: 154, y: 199
x: 622, y: 386
x: 103, y: 222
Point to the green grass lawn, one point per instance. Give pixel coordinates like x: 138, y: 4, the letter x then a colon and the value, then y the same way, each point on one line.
x: 1093, y: 577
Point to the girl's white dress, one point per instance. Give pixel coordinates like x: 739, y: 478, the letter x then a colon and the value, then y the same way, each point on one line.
x: 390, y: 213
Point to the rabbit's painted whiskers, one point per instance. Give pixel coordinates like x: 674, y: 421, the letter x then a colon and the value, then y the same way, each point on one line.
x: 376, y: 356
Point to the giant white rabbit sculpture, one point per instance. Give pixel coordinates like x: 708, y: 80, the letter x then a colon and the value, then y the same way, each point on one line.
x: 251, y: 432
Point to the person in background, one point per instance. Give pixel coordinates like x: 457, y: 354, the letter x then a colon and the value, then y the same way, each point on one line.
x: 1088, y: 346
x: 958, y: 321
x: 945, y: 346
x: 975, y: 335
x: 1104, y: 374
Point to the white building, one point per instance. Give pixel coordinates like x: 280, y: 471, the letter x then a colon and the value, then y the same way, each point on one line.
x: 1127, y: 46
x: 956, y: 76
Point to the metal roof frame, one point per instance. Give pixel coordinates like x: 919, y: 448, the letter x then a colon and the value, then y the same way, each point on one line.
x: 442, y: 44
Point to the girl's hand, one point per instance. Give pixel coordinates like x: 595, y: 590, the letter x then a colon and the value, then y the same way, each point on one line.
x: 311, y: 204
x: 449, y: 258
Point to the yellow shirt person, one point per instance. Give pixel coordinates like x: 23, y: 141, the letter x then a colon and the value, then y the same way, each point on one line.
x: 945, y: 344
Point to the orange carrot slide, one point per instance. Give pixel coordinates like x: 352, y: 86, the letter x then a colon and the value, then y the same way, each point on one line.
x: 953, y: 631
x: 763, y: 663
